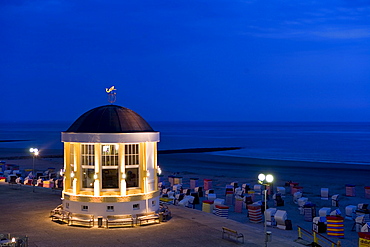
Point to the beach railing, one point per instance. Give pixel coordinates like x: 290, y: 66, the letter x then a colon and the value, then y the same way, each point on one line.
x: 317, y: 238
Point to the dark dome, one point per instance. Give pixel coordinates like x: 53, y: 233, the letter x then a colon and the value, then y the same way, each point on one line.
x: 110, y: 119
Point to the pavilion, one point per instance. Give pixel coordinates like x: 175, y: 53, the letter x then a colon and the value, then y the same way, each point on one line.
x: 110, y: 163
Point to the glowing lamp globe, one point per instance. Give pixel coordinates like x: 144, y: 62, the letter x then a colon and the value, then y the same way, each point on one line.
x: 261, y: 177
x: 269, y: 178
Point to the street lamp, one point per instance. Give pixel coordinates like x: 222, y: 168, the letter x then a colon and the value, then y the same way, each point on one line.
x: 35, y: 152
x: 265, y: 180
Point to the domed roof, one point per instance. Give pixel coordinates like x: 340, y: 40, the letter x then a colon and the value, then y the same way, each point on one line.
x: 110, y: 119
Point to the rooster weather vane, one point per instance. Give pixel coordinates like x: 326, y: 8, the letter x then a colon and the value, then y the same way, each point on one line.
x: 111, y: 94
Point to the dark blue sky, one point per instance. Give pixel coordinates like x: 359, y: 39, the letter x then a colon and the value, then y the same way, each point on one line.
x: 192, y: 60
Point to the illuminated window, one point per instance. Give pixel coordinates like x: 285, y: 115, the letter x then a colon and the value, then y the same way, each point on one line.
x: 110, y: 179
x: 88, y: 165
x: 109, y: 155
x: 131, y: 154
x: 88, y: 177
x: 88, y: 155
x: 132, y: 162
x: 109, y: 159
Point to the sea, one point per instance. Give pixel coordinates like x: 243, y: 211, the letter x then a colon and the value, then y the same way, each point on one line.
x: 330, y: 142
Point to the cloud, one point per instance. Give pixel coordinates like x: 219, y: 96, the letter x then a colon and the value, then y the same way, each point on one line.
x: 357, y: 3
x: 343, y: 34
x: 323, y: 33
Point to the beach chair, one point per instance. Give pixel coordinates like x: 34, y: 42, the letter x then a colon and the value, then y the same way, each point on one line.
x: 166, y: 190
x: 164, y: 212
x: 186, y: 192
x: 296, y: 196
x: 248, y: 200
x: 171, y: 195
x: 178, y: 198
x: 234, y: 184
x: 228, y: 189
x: 199, y: 190
x: 281, y: 191
x: 302, y: 201
x: 238, y: 191
x: 189, y: 201
x: 211, y: 196
x: 258, y: 189
x: 219, y: 201
x: 278, y: 200
x: 319, y: 224
x: 177, y: 187
x: 363, y: 207
x: 12, y: 181
x: 39, y: 182
x: 270, y: 216
x: 280, y: 217
x: 350, y: 211
x: 210, y: 191
x: 335, y: 200
x: 324, y: 194
x: 360, y: 221
x: 366, y: 227
x: 184, y: 202
x: 323, y: 212
x: 309, y: 210
x: 336, y: 212
x: 245, y: 188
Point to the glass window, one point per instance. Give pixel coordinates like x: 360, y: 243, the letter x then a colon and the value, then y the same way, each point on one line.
x: 88, y: 177
x: 88, y: 165
x: 110, y: 179
x: 109, y: 155
x: 132, y: 177
x: 132, y: 162
x: 132, y: 154
x: 88, y: 155
x: 109, y: 160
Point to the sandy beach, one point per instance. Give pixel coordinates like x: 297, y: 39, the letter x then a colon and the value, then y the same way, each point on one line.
x: 311, y: 176
x: 225, y: 169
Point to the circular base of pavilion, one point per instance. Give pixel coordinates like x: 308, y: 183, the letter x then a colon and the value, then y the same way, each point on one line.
x: 102, y: 206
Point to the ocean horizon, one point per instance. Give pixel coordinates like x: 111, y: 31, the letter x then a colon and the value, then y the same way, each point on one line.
x: 329, y: 142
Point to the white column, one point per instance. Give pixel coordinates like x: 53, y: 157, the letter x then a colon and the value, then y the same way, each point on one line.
x: 97, y: 158
x: 122, y: 171
x: 150, y: 166
x: 97, y: 187
x: 75, y: 185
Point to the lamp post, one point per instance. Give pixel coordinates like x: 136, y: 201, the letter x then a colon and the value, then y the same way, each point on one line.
x: 265, y: 180
x: 35, y: 152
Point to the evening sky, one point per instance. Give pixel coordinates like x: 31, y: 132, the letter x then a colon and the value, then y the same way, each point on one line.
x: 186, y: 60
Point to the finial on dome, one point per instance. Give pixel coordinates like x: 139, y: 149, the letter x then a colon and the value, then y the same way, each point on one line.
x: 111, y: 94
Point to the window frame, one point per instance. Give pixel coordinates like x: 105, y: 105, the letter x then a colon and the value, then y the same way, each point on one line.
x: 132, y: 156
x: 113, y: 155
x: 87, y: 154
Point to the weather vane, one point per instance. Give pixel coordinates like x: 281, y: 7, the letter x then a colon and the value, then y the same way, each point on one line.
x: 111, y: 94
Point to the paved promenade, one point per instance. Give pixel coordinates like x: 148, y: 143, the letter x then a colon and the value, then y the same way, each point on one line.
x: 26, y: 213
